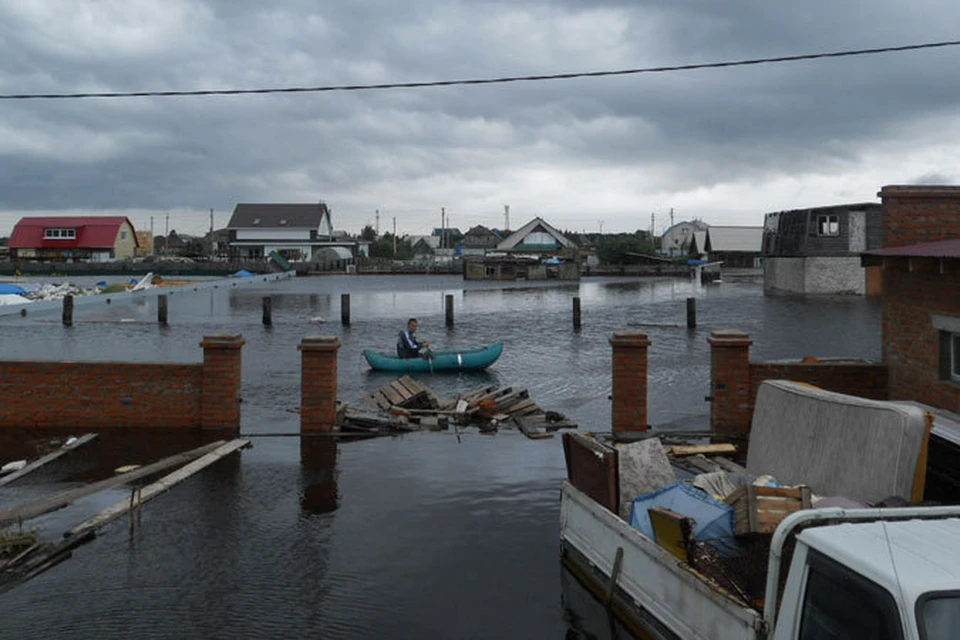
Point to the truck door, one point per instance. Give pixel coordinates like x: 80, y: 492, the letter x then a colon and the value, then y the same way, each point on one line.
x: 840, y: 603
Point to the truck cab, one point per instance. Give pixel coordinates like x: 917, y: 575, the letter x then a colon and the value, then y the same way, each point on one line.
x: 884, y: 580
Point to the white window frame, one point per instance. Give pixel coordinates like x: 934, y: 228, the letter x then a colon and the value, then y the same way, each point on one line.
x: 58, y: 233
x: 828, y: 226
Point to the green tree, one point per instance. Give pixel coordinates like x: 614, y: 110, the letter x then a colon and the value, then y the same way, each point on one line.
x: 383, y: 248
x: 368, y: 234
x: 622, y: 248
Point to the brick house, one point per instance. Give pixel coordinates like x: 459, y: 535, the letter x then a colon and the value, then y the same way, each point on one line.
x: 920, y: 273
x: 70, y: 238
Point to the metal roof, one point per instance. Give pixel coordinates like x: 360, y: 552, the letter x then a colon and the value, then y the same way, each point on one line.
x: 939, y: 249
x: 747, y: 239
x: 518, y: 236
x: 279, y: 216
x: 92, y: 232
x: 909, y: 557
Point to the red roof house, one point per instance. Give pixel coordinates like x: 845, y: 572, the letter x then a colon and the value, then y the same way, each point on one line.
x: 84, y: 238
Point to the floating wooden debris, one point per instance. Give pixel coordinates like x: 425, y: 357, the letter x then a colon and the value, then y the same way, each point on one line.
x: 408, y: 405
x: 67, y: 447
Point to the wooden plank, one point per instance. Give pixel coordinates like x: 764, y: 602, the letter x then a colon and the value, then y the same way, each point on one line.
x: 382, y: 401
x: 531, y: 430
x: 695, y: 449
x: 50, y: 457
x: 62, y: 499
x: 521, y: 406
x: 397, y: 386
x: 672, y: 531
x: 412, y: 386
x: 478, y: 393
x: 392, y: 395
x: 160, y: 486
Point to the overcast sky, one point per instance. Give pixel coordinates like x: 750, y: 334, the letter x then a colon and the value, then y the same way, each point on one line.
x: 724, y: 145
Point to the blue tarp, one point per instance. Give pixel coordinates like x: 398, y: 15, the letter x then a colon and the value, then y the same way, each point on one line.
x: 714, y: 518
x: 243, y: 273
x: 696, y: 261
x: 553, y: 261
x: 9, y: 287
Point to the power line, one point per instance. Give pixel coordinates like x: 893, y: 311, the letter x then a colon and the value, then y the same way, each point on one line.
x: 476, y: 81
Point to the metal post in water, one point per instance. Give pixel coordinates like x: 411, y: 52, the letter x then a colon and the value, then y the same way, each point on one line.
x: 691, y: 313
x: 68, y: 311
x: 162, y: 309
x: 449, y: 310
x: 576, y: 313
x: 345, y: 308
x: 267, y: 311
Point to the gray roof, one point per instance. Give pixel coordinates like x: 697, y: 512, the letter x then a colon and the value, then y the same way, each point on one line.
x: 747, y: 239
x: 266, y: 216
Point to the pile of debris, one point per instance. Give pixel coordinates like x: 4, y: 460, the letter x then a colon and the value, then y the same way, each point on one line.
x: 408, y: 405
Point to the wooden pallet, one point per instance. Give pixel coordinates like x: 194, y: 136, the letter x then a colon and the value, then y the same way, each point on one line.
x: 403, y: 392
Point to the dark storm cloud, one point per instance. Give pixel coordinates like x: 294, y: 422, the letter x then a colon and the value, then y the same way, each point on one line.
x: 621, y: 144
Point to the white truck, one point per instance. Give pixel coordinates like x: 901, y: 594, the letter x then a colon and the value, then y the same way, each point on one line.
x: 884, y: 573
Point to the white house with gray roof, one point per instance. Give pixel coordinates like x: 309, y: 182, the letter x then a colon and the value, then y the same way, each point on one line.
x: 298, y: 232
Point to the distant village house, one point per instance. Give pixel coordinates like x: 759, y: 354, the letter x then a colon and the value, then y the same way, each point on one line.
x: 536, y: 251
x: 817, y: 250
x: 295, y: 232
x: 73, y: 239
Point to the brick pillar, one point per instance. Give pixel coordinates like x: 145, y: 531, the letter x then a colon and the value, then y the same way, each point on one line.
x: 220, y: 395
x: 629, y: 381
x: 318, y: 383
x: 730, y: 381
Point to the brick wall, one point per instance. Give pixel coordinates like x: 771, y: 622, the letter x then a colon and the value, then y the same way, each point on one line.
x: 629, y: 391
x: 915, y: 214
x: 911, y: 342
x: 735, y: 380
x: 99, y: 395
x: 318, y: 383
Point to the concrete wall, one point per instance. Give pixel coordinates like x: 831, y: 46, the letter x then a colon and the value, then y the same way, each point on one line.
x: 783, y: 275
x: 814, y: 275
x: 99, y: 395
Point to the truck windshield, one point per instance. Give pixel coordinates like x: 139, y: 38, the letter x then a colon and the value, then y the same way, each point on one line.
x: 938, y: 615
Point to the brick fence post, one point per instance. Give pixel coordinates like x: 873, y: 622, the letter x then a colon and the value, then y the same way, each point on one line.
x: 629, y: 381
x: 730, y: 381
x: 318, y: 383
x: 220, y: 394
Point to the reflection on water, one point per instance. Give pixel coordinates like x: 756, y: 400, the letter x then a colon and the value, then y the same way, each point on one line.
x: 419, y: 536
x: 318, y: 474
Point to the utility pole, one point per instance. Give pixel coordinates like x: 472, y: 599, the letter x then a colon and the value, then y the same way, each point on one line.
x: 653, y: 225
x: 394, y: 236
x: 600, y: 222
x: 671, y: 216
x: 151, y: 236
x: 166, y: 235
x: 443, y: 229
x: 378, y: 223
x: 506, y: 217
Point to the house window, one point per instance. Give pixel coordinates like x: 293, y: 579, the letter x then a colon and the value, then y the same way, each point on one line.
x: 950, y: 356
x: 123, y: 235
x: 58, y: 233
x: 828, y: 225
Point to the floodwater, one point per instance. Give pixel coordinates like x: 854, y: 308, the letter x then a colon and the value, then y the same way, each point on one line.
x: 428, y: 535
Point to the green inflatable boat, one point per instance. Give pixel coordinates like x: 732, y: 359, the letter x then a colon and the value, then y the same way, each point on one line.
x: 474, y: 359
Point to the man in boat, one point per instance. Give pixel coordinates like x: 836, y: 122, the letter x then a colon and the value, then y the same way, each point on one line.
x: 408, y: 346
